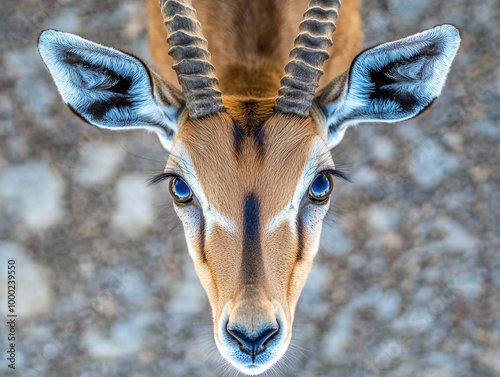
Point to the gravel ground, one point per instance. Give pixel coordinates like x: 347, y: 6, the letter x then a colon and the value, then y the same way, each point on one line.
x: 407, y: 281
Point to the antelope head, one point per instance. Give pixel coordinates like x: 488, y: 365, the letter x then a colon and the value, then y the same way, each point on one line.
x: 250, y: 178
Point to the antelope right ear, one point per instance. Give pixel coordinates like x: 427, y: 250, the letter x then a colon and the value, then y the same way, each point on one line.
x: 109, y: 88
x: 390, y: 82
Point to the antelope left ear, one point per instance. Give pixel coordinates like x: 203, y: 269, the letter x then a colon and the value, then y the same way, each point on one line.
x: 390, y: 82
x: 109, y: 88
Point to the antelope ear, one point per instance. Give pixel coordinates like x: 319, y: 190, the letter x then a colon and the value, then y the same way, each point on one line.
x: 390, y: 82
x: 109, y: 88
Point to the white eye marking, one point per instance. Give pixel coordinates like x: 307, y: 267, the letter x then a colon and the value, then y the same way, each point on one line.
x: 210, y: 214
x: 291, y: 210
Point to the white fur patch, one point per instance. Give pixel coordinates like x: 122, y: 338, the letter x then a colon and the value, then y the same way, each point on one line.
x: 290, y: 212
x: 210, y: 214
x: 82, y: 86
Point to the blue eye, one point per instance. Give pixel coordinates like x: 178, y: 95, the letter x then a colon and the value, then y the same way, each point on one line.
x: 180, y: 190
x: 321, y: 188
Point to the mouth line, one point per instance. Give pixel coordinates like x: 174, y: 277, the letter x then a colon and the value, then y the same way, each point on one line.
x: 253, y: 366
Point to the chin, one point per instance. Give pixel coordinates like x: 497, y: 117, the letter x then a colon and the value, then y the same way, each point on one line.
x: 261, y: 363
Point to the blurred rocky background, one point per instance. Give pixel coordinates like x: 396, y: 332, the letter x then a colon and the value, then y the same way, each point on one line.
x: 407, y: 280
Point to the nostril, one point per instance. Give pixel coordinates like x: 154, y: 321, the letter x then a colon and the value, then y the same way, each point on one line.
x: 266, y: 336
x: 253, y: 344
x: 245, y: 343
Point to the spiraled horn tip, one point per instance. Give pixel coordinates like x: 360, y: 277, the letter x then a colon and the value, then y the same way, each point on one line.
x: 195, y: 72
x: 305, y: 67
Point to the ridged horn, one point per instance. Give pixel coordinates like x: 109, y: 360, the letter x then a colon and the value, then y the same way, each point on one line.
x: 305, y: 66
x: 192, y: 64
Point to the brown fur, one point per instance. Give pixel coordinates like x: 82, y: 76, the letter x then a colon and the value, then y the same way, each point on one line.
x: 250, y: 41
x: 287, y: 142
x: 273, y: 178
x: 248, y: 151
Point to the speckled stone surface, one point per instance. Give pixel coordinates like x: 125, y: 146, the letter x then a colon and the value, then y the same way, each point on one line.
x: 407, y: 281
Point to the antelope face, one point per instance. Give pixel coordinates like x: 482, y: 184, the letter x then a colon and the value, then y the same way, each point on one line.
x: 252, y: 203
x: 250, y: 178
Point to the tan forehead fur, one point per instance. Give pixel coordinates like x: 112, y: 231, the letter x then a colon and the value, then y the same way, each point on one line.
x: 269, y: 170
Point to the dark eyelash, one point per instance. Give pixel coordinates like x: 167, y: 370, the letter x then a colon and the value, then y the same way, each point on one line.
x: 165, y: 175
x: 160, y: 178
x: 338, y: 173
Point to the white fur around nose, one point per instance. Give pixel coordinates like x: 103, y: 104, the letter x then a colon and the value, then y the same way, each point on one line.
x: 291, y: 211
x: 210, y: 214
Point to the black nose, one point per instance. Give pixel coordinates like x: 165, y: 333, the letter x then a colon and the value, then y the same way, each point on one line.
x: 253, y: 343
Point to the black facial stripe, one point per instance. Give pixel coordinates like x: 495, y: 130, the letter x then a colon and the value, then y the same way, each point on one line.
x: 251, y: 219
x: 238, y: 136
x: 259, y: 141
x: 202, y: 236
x: 300, y: 237
x: 252, y: 251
